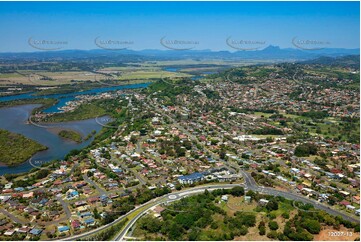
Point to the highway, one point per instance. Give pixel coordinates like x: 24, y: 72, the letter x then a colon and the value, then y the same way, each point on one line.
x: 151, y: 203
x: 252, y: 185
x: 167, y: 199
x: 249, y: 184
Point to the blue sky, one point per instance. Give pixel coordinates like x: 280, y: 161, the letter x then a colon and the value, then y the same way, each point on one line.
x: 207, y: 23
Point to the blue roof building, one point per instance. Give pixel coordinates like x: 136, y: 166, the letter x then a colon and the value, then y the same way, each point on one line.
x: 72, y: 194
x: 89, y: 221
x: 62, y: 229
x: 191, y: 178
x: 44, y: 201
x: 35, y: 231
x: 103, y: 197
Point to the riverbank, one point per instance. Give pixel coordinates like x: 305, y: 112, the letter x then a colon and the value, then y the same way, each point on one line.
x: 15, y: 120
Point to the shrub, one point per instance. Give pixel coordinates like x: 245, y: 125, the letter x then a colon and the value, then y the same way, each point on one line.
x: 272, y: 235
x: 271, y: 215
x: 272, y: 205
x: 273, y: 225
x: 237, y: 191
x: 262, y: 230
x: 243, y: 230
x: 286, y: 215
x: 312, y: 226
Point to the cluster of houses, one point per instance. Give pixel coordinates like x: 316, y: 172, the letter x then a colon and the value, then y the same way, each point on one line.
x: 222, y: 174
x: 26, y: 232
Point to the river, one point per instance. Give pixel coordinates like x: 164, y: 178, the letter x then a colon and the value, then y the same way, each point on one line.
x: 63, y: 98
x: 14, y: 119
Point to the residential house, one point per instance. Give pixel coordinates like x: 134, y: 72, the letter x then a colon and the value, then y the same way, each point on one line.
x: 263, y: 202
x: 89, y: 221
x: 247, y: 199
x: 190, y: 179
x: 75, y: 224
x: 63, y: 229
x: 224, y: 198
x: 36, y: 232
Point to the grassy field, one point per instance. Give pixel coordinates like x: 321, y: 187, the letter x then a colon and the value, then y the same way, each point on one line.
x: 41, y: 78
x: 144, y: 75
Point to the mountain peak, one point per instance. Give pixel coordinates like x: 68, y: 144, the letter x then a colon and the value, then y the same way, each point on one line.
x: 272, y: 47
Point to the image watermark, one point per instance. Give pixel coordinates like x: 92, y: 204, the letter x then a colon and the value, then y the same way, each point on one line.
x: 180, y: 205
x: 308, y: 44
x: 232, y: 78
x: 164, y: 79
x: 41, y: 80
x: 47, y: 44
x: 104, y: 120
x: 33, y: 79
x: 178, y: 44
x: 32, y: 121
x: 38, y: 164
x: 298, y: 206
x: 246, y: 45
x: 108, y: 79
x: 112, y: 44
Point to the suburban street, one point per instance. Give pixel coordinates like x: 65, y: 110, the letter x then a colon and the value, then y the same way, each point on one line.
x: 249, y: 184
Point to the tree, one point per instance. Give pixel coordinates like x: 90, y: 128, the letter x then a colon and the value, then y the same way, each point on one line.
x: 251, y: 193
x: 178, y: 186
x: 286, y: 215
x: 174, y: 231
x: 243, y: 230
x: 273, y: 225
x: 306, y: 149
x: 312, y: 226
x: 237, y: 191
x: 150, y: 224
x: 262, y: 228
x: 42, y: 174
x: 272, y: 205
x: 185, y: 220
x: 96, y: 213
x: 272, y: 235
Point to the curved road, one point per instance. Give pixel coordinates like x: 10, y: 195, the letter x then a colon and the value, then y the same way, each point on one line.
x: 249, y: 184
x: 252, y: 185
x: 151, y: 203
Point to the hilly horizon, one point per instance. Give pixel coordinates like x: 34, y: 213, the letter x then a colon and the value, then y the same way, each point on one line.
x: 270, y: 52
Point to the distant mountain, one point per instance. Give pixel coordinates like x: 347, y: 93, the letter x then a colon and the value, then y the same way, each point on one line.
x: 268, y: 53
x: 349, y: 61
